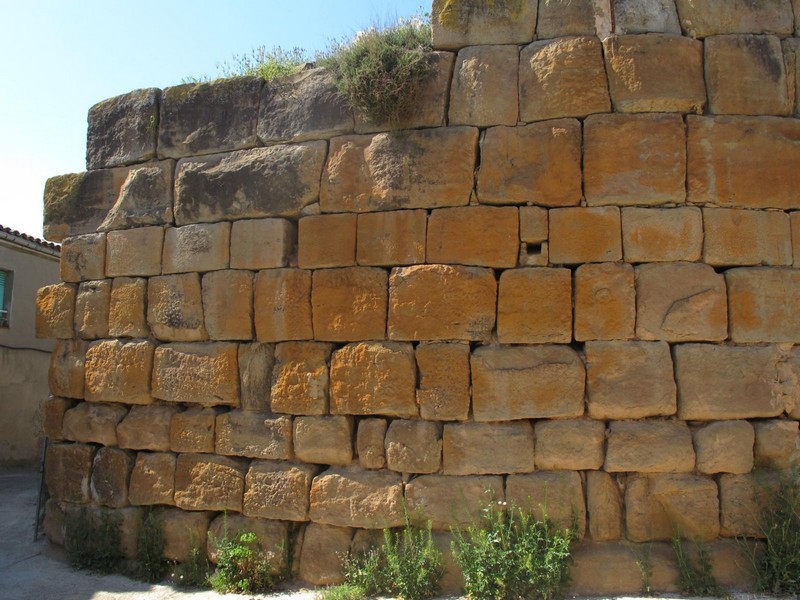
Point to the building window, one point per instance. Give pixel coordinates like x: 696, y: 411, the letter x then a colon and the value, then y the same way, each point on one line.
x: 6, y: 280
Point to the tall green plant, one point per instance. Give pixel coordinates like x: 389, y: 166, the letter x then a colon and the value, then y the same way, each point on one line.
x: 93, y: 542
x: 695, y: 577
x: 151, y: 565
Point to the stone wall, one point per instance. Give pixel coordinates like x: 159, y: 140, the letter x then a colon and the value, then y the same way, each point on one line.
x: 569, y: 278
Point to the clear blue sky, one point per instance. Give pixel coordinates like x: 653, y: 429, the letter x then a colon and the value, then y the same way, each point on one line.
x: 61, y: 57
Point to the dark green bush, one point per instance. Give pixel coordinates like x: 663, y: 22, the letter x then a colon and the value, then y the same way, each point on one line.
x: 93, y: 542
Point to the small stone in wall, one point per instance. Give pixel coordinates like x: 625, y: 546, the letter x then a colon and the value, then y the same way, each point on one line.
x: 192, y: 430
x: 300, y: 380
x: 256, y: 361
x: 134, y: 252
x: 470, y: 22
x: 323, y: 545
x: 119, y: 371
x: 54, y: 409
x: 391, y: 238
x: 253, y: 434
x: 83, y: 257
x: 91, y: 422
x: 55, y: 310
x: 777, y: 444
x: 484, y: 236
x: 262, y: 243
x: 183, y: 532
x: 370, y: 443
x: 464, y: 448
x: 67, y: 471
x: 663, y: 234
x: 326, y: 440
x: 443, y: 391
x: 764, y: 305
x: 278, y: 490
x: 200, y: 247
x: 209, y: 482
x: 67, y: 368
x: 144, y: 199
x: 651, y: 16
x: 175, y: 308
x: 327, y: 241
x: 584, y: 235
x: 153, y: 479
x: 126, y: 313
x: 735, y: 236
x: 146, y: 427
x: 605, y: 302
x: 349, y: 304
x: 724, y: 447
x: 560, y: 18
x: 92, y: 305
x: 534, y: 306
x: 228, y: 304
x: 557, y: 495
x: 604, y: 507
x: 448, y: 501
x: 649, y: 446
x: 413, y: 446
x: 480, y: 68
x: 701, y: 18
x: 282, y: 305
x: 111, y: 470
x: 569, y: 444
x: 204, y: 374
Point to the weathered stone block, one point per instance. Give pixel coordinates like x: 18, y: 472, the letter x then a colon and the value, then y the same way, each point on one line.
x: 480, y: 68
x: 533, y: 224
x: 557, y: 496
x: 649, y: 447
x: 200, y: 118
x: 300, y: 379
x: 464, y: 448
x: 446, y: 501
x: 746, y: 237
x: 175, y: 308
x: 559, y: 18
x: 605, y: 302
x: 278, y: 181
x: 153, y: 479
x: 111, y: 471
x: 199, y: 247
x: 282, y: 299
x: 655, y: 73
x: 652, y: 16
x: 54, y: 409
x: 353, y: 497
x: 604, y: 507
x: 629, y: 380
x: 474, y: 235
x: 764, y: 305
x: 413, y: 446
x: 538, y: 163
x: 680, y: 302
x: 145, y: 198
x: 183, y: 531
x: 458, y: 24
x: 326, y: 440
x: 255, y: 375
x: 126, y: 311
x: 118, y: 371
x: 323, y: 545
x: 391, y: 238
x: 370, y: 443
x: 192, y: 430
x: 349, y: 304
x: 743, y: 161
x: 262, y: 243
x: 89, y: 422
x: 55, y: 311
x: 228, y: 304
x: 253, y: 434
x: 67, y: 368
x: 612, y: 569
x: 526, y: 382
x: 303, y: 106
x: 426, y: 168
x: 134, y: 252
x: 634, y: 159
x: 53, y: 524
x: 424, y: 298
x: 209, y: 482
x: 197, y: 373
x: 374, y: 378
x: 146, y: 427
x: 663, y: 235
x: 271, y: 537
x: 278, y: 490
x: 535, y: 306
x: 327, y: 241
x: 791, y: 51
x: 701, y: 18
x: 742, y: 500
x: 83, y: 257
x: 576, y: 445
x: 562, y: 78
x: 92, y: 305
x: 443, y: 391
x: 777, y: 444
x: 122, y: 130
x: 580, y: 234
x: 724, y: 447
x: 67, y: 471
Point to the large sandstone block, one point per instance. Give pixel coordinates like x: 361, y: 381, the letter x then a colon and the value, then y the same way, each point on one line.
x: 323, y: 545
x: 300, y: 381
x: 118, y: 371
x: 581, y: 235
x: 278, y: 181
x: 575, y: 445
x: 559, y: 18
x: 192, y: 430
x: 303, y: 106
x: 370, y: 447
x: 447, y: 501
x: 67, y: 368
x: 146, y: 427
x: 742, y: 500
x: 724, y: 447
x: 464, y: 448
x: 282, y: 305
x: 228, y: 304
x: 145, y: 198
x: 83, y: 257
x: 374, y: 378
x: 663, y: 235
x: 424, y: 300
x: 215, y: 116
x: 538, y: 163
x: 55, y: 311
x: 122, y: 130
x: 153, y: 479
x: 183, y: 532
x: 278, y: 490
x: 605, y: 302
x: 199, y: 247
x: 649, y: 447
x: 96, y: 423
x: 175, y: 308
x: 353, y: 497
x: 661, y: 506
x: 604, y: 507
x: 480, y: 68
x: 208, y: 482
x: 253, y: 434
x: 764, y: 305
x: 746, y: 237
x: 127, y: 306
x: 534, y: 306
x: 483, y: 236
x: 326, y: 440
x: 526, y: 382
x: 327, y: 241
x: 701, y: 18
x: 134, y: 252
x: 629, y: 380
x: 349, y: 304
x: 262, y: 243
x: 655, y: 73
x: 557, y: 496
x: 271, y: 538
x: 92, y: 305
x: 53, y: 418
x: 743, y: 161
x: 67, y: 471
x: 470, y: 22
x: 111, y: 471
x: 613, y: 569
x: 443, y: 391
x: 413, y: 446
x: 391, y: 238
x: 197, y: 373
x: 680, y: 302
x: 564, y: 77
x: 256, y: 361
x: 652, y: 16
x: 746, y: 75
x: 426, y: 168
x: 634, y: 159
x: 777, y: 444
